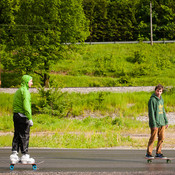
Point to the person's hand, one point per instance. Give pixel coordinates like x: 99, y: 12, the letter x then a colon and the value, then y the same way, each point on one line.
x: 154, y: 128
x: 166, y: 126
x: 30, y: 123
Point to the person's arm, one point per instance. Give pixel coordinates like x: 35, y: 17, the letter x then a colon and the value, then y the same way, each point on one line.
x: 27, y: 104
x: 165, y: 117
x: 151, y: 112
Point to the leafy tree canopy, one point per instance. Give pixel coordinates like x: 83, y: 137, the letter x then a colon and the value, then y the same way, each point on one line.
x: 35, y: 30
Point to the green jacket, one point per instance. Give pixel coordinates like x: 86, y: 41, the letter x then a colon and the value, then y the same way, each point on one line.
x: 22, y: 98
x: 156, y: 112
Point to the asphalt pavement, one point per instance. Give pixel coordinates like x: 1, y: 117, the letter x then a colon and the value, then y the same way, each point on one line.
x: 89, y: 161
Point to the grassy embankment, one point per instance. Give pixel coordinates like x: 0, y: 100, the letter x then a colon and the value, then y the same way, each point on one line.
x: 110, y: 65
x: 117, y: 65
x: 92, y: 123
x: 115, y: 113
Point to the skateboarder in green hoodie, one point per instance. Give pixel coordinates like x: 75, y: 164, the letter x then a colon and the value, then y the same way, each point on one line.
x: 157, y: 122
x: 22, y: 118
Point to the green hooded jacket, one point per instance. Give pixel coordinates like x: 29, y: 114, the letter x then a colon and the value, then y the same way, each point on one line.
x: 156, y: 112
x: 22, y: 98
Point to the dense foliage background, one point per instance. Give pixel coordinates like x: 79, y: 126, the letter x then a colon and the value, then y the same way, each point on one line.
x: 124, y: 20
x: 33, y: 35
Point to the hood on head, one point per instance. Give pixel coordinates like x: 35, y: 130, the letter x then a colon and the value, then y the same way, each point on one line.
x: 25, y: 79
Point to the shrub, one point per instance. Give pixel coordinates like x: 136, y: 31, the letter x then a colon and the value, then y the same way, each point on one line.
x: 139, y: 58
x: 53, y: 101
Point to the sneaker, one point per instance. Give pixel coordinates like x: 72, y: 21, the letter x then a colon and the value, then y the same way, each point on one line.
x: 148, y: 156
x: 161, y: 156
x: 26, y: 159
x: 14, y: 157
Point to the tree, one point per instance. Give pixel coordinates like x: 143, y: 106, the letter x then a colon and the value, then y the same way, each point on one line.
x: 96, y: 12
x: 74, y: 25
x: 114, y: 20
x: 164, y: 17
x: 111, y: 20
x: 121, y: 20
x: 40, y: 28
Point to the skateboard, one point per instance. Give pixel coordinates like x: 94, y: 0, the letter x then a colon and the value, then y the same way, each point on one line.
x: 168, y: 159
x: 34, y: 165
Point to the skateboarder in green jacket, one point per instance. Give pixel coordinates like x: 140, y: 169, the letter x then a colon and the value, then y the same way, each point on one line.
x: 158, y: 122
x: 22, y: 118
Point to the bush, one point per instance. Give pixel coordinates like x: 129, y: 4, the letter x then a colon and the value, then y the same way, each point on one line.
x: 52, y: 101
x: 139, y: 58
x: 10, y: 79
x: 140, y: 70
x: 163, y: 63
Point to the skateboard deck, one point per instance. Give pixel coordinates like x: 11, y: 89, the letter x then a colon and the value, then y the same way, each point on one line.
x: 167, y: 159
x: 34, y: 165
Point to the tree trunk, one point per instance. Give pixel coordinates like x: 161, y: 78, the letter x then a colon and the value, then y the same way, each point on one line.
x: 46, y: 80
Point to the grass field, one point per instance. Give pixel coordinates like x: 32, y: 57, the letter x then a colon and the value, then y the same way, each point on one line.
x: 96, y: 120
x: 110, y: 65
x: 101, y: 119
x: 117, y: 65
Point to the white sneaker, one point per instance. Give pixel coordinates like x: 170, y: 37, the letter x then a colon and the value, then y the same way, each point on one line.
x: 25, y: 159
x: 14, y: 157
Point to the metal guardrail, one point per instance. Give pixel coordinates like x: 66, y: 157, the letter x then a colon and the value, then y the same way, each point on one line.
x: 127, y: 42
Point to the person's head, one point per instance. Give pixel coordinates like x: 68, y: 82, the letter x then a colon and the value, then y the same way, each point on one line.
x: 30, y: 83
x: 27, y: 81
x: 158, y: 90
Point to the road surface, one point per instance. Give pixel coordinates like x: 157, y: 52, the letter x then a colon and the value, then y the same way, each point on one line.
x: 89, y: 162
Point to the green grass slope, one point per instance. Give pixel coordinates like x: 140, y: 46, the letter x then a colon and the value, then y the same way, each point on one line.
x: 116, y: 65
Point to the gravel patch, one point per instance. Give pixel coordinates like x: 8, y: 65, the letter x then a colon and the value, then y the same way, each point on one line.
x: 170, y: 116
x: 90, y: 89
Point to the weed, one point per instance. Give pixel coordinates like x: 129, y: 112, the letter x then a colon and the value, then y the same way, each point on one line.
x: 111, y: 65
x: 52, y: 101
x: 91, y: 122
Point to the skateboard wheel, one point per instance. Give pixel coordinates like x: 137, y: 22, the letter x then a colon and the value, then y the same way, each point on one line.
x: 11, y: 167
x: 168, y: 161
x: 149, y: 161
x: 34, y: 167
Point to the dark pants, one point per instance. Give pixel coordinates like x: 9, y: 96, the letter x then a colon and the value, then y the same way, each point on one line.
x: 21, y: 134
